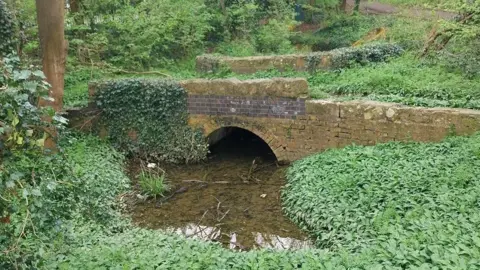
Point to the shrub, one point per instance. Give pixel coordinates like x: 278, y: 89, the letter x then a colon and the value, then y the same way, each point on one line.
x: 148, y: 118
x: 150, y: 33
x: 405, y: 205
x: 274, y: 38
x: 346, y: 57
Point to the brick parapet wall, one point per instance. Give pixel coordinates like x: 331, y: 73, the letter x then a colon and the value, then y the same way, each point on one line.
x: 251, y: 64
x: 273, y: 87
x: 287, y: 108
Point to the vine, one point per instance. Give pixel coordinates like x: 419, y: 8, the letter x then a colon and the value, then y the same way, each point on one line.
x: 148, y: 118
x: 7, y: 34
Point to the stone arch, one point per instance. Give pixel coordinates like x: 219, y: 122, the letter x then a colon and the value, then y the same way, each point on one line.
x: 269, y: 138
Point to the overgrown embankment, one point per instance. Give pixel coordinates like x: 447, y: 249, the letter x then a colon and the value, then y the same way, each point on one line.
x: 400, y: 205
x: 148, y: 118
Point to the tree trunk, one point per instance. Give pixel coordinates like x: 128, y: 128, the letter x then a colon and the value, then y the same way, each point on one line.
x: 222, y: 7
x: 357, y: 6
x: 50, y: 19
x: 74, y: 6
x: 343, y: 5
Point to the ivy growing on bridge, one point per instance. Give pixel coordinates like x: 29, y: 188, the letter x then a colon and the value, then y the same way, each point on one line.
x: 7, y: 34
x: 148, y: 118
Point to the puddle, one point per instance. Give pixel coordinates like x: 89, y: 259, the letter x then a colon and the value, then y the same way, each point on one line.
x: 234, y: 199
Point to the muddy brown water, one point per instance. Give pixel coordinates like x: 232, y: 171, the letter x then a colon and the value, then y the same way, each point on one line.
x: 234, y: 199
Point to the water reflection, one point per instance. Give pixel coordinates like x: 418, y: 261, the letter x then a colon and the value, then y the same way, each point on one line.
x: 260, y: 240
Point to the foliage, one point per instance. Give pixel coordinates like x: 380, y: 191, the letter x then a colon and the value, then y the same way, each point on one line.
x: 346, y: 57
x: 7, y: 30
x: 150, y: 33
x: 404, y: 77
x: 152, y: 181
x: 76, y: 84
x: 437, y: 4
x: 457, y: 41
x: 21, y: 125
x: 273, y: 38
x: 343, y: 31
x: 54, y: 194
x: 407, y: 205
x: 149, y: 118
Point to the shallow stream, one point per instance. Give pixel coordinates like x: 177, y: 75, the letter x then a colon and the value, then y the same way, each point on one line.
x: 234, y: 198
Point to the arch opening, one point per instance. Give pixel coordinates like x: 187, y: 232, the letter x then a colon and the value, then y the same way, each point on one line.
x: 228, y: 142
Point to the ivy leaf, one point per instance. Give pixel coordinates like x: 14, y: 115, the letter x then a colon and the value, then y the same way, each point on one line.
x: 30, y: 86
x: 36, y: 192
x: 21, y: 75
x: 10, y: 184
x: 29, y: 133
x: 16, y: 176
x: 39, y: 73
x: 25, y: 193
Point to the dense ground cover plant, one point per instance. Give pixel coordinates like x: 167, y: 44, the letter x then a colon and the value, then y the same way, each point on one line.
x: 405, y: 80
x: 148, y: 118
x: 75, y: 186
x: 407, y: 205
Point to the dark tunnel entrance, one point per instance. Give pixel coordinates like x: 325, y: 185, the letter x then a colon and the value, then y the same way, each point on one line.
x: 237, y: 142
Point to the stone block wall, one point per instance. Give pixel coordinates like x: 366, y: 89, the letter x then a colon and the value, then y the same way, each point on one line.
x: 328, y: 124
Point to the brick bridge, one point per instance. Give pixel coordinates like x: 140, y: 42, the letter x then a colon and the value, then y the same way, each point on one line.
x: 278, y: 111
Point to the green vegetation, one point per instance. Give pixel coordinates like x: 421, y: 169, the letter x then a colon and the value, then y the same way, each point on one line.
x: 343, y: 31
x: 152, y: 181
x: 148, y: 118
x: 437, y: 4
x: 390, y: 206
x: 7, y: 33
x: 401, y: 205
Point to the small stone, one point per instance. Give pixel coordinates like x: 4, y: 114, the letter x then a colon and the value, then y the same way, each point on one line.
x: 263, y: 195
x: 390, y: 113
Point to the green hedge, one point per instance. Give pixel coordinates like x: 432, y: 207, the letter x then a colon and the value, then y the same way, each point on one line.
x: 404, y: 205
x: 346, y: 57
x: 148, y: 117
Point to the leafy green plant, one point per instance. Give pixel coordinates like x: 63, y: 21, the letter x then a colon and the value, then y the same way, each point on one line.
x: 152, y: 181
x: 148, y: 118
x: 408, y: 205
x: 7, y: 30
x: 346, y: 57
x: 273, y: 37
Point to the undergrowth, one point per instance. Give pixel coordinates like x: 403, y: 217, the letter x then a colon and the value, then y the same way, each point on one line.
x: 408, y: 205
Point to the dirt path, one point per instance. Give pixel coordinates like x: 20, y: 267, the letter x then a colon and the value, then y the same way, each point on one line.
x: 368, y: 7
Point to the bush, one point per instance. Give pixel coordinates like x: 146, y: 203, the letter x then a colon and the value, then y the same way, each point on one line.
x: 274, y: 38
x: 409, y: 205
x: 148, y: 118
x: 149, y: 34
x: 346, y: 57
